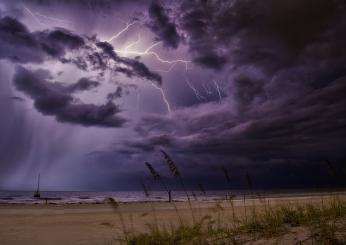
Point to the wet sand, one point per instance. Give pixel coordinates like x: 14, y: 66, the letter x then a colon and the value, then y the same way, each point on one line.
x: 102, y: 223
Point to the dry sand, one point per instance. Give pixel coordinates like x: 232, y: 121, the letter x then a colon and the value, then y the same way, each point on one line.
x: 101, y: 223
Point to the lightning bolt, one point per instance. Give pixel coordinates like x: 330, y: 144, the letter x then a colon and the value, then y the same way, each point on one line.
x: 217, y: 87
x: 196, y: 92
x: 35, y: 16
x: 125, y: 51
x: 163, y: 95
x: 149, y: 52
x: 167, y: 70
x: 128, y: 25
x: 52, y: 18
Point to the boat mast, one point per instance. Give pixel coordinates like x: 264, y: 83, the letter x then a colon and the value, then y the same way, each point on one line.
x: 38, y: 184
x: 37, y: 193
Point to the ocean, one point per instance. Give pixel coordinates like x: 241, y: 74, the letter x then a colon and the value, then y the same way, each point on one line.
x: 79, y: 197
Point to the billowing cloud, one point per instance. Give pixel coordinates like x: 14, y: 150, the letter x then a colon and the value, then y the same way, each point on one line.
x: 133, y: 67
x: 55, y: 99
x: 83, y: 84
x: 162, y: 26
x: 310, y: 129
x: 116, y: 94
x: 263, y: 33
x: 20, y: 45
x: 281, y: 61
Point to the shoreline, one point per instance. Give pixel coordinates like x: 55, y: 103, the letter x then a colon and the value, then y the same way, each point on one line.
x: 108, y: 206
x: 8, y: 201
x: 87, y: 224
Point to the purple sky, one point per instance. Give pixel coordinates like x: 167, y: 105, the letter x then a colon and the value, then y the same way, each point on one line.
x: 90, y: 90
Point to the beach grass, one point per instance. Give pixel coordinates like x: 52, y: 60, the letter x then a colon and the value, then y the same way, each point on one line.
x: 322, y: 222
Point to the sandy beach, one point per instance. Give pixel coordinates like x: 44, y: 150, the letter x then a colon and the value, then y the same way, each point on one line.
x: 101, y: 223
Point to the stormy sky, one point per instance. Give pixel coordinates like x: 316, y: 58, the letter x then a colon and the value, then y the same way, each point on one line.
x: 90, y: 90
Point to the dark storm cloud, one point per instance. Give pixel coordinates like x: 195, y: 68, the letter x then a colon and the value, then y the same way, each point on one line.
x: 20, y: 45
x: 307, y: 129
x: 152, y: 143
x: 162, y: 26
x: 210, y: 60
x: 17, y: 98
x: 265, y: 33
x: 133, y: 66
x: 56, y: 42
x: 116, y: 94
x: 103, y: 4
x: 53, y: 98
x: 283, y: 66
x: 141, y: 70
x: 278, y: 56
x: 83, y: 84
x: 17, y: 43
x: 100, y: 56
x: 247, y: 90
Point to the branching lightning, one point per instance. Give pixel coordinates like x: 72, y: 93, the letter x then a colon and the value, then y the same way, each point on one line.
x: 35, y: 16
x: 127, y: 51
x: 217, y: 87
x: 196, y: 92
x: 148, y: 51
x: 52, y: 18
x: 167, y: 70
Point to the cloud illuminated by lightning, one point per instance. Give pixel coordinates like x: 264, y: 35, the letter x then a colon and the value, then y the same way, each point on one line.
x: 149, y: 51
x: 127, y: 50
x: 133, y: 43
